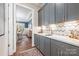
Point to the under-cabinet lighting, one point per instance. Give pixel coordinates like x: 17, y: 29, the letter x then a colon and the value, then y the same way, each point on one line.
x: 38, y: 29
x: 52, y: 26
x: 43, y: 27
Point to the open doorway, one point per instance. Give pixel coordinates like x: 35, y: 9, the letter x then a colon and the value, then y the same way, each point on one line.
x: 23, y: 28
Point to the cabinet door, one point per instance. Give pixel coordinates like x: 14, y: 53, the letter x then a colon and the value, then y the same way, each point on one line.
x: 69, y: 50
x: 38, y: 41
x: 66, y: 11
x: 73, y: 11
x: 59, y: 12
x: 52, y: 13
x: 65, y: 49
x: 39, y: 17
x: 35, y: 40
x: 47, y: 46
x: 43, y: 16
x: 47, y: 14
x: 42, y: 44
x: 55, y: 48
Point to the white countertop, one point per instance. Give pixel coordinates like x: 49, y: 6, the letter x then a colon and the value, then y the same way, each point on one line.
x: 65, y: 39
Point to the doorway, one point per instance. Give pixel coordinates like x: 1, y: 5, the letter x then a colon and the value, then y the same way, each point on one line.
x: 23, y: 28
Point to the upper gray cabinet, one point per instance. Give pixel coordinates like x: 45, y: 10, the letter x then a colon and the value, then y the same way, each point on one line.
x: 40, y: 17
x: 73, y: 11
x: 52, y: 13
x: 43, y: 16
x: 59, y: 12
x: 47, y: 14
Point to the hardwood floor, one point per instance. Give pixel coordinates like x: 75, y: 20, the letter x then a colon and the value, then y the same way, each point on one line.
x: 23, y: 44
x: 24, y: 48
x: 30, y: 52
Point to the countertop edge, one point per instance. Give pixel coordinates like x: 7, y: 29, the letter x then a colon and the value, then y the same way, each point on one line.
x: 74, y: 43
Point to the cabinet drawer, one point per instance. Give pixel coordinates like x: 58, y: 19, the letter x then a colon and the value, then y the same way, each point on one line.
x: 70, y: 50
x: 59, y: 48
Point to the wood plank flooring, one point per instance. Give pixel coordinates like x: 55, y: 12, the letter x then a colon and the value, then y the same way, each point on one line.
x: 30, y: 52
x: 24, y: 48
x: 23, y: 44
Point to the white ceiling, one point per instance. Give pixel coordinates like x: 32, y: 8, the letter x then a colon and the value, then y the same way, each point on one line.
x: 36, y: 6
x: 23, y: 13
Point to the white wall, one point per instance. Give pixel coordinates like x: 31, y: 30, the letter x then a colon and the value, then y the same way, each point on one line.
x: 34, y: 24
x: 4, y: 39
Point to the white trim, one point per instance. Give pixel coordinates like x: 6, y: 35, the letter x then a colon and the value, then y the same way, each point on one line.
x: 6, y: 30
x: 24, y: 6
x: 15, y: 24
x: 14, y: 28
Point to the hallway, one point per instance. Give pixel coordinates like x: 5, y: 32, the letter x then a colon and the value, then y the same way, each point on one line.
x: 23, y: 44
x: 30, y: 52
x: 24, y: 48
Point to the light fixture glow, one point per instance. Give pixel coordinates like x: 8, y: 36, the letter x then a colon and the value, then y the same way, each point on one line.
x: 53, y: 26
x: 43, y: 27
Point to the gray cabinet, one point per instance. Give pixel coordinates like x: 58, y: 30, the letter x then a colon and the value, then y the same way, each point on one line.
x: 47, y: 46
x: 55, y: 49
x: 43, y: 44
x: 52, y: 13
x: 59, y: 48
x: 39, y: 18
x: 69, y: 50
x: 52, y: 47
x: 59, y: 12
x: 47, y: 14
x: 37, y: 41
x: 42, y: 49
x: 43, y: 16
x: 73, y: 11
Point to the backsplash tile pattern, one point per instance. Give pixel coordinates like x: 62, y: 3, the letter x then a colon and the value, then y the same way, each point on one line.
x: 70, y: 29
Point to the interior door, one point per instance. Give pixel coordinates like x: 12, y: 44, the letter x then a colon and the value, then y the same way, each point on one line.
x: 3, y: 29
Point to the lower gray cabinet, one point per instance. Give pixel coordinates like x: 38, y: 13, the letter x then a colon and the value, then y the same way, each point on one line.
x: 47, y: 46
x: 42, y: 49
x: 52, y: 47
x: 69, y: 50
x: 37, y: 41
x: 59, y: 48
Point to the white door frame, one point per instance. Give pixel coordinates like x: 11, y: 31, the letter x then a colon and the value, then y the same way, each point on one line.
x: 15, y: 24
